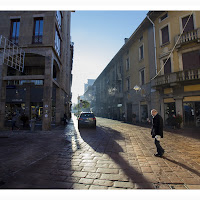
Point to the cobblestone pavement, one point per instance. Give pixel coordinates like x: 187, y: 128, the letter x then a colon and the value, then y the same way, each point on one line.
x: 115, y: 155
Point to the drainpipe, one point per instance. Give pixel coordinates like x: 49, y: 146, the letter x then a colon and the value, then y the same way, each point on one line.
x: 154, y: 34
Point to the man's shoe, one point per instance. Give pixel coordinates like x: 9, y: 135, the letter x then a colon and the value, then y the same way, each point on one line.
x: 157, y: 155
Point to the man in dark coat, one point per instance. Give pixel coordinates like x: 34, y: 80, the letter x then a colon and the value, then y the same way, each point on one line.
x: 157, y: 132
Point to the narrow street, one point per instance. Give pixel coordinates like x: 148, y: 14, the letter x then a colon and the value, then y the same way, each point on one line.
x: 115, y: 155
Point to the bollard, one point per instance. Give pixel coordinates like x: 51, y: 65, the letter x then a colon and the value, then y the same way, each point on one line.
x: 32, y: 125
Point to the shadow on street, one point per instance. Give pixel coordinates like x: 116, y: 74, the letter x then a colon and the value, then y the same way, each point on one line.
x: 103, y: 140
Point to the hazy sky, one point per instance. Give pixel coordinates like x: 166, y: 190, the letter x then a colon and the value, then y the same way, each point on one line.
x: 97, y: 37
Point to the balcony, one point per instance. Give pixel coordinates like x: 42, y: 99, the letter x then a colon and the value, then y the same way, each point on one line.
x: 176, y: 77
x: 191, y: 36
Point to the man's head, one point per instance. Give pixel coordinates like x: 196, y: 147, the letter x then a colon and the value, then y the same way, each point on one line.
x: 154, y: 112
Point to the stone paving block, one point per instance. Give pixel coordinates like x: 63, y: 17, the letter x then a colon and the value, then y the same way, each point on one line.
x: 144, y: 186
x: 120, y: 184
x: 80, y: 186
x: 80, y: 174
x: 62, y: 172
x: 108, y: 171
x: 76, y: 168
x: 87, y: 164
x: 191, y: 181
x: 114, y: 177
x: 98, y: 187
x: 103, y: 182
x: 86, y: 181
x: 146, y: 170
x: 72, y: 179
x: 93, y: 175
x: 88, y: 161
x: 102, y: 165
x: 113, y: 166
x: 195, y: 187
x: 89, y: 169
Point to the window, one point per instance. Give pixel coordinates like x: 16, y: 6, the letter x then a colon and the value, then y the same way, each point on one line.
x: 164, y: 17
x: 191, y: 60
x: 128, y: 83
x: 38, y: 30
x: 190, y: 25
x: 57, y: 43
x: 141, y: 38
x: 14, y: 35
x: 142, y: 77
x: 165, y: 35
x: 59, y: 19
x: 127, y: 64
x: 167, y: 67
x: 141, y: 52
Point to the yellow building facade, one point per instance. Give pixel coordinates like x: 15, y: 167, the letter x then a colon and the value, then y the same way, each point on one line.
x: 177, y: 77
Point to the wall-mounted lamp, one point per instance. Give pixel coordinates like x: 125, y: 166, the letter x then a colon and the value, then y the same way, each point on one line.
x: 137, y: 88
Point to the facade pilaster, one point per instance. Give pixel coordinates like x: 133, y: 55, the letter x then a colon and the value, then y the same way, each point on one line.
x: 47, y: 93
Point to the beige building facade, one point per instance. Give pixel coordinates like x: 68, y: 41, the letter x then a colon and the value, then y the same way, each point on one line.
x: 178, y: 62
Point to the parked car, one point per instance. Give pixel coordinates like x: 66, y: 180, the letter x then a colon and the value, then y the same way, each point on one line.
x: 87, y: 119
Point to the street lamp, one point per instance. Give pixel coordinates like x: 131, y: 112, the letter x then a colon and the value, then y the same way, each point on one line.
x: 137, y: 88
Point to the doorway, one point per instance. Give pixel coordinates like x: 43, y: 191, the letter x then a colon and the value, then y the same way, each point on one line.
x: 191, y: 113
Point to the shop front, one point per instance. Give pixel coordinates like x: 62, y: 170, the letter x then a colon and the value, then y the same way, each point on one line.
x: 191, y: 107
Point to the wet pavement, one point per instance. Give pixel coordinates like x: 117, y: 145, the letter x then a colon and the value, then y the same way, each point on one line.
x: 115, y: 155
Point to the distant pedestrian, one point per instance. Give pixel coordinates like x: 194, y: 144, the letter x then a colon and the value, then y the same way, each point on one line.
x: 157, y: 131
x: 134, y: 118
x: 14, y: 120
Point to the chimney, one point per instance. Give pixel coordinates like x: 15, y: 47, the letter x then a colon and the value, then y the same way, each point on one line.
x: 125, y: 40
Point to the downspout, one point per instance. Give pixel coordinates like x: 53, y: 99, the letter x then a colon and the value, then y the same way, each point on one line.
x: 154, y: 34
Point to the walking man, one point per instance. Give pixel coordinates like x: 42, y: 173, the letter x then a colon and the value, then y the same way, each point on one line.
x: 157, y: 132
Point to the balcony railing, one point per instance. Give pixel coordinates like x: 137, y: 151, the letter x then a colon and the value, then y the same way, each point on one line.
x: 193, y: 35
x: 186, y: 75
x: 37, y: 39
x: 14, y: 40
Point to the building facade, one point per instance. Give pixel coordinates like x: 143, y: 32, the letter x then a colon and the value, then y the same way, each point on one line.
x: 178, y: 61
x: 42, y: 90
x: 157, y: 67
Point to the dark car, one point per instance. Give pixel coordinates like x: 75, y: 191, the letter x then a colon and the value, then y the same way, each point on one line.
x: 87, y: 119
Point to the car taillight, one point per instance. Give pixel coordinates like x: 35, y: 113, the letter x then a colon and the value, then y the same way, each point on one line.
x: 80, y: 119
x: 94, y: 118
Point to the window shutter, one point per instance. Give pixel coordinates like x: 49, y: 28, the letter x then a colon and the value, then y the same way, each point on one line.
x: 190, y: 26
x: 191, y: 60
x: 165, y: 35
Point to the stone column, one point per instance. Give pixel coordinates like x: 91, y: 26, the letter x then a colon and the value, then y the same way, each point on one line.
x: 162, y: 109
x: 59, y: 105
x: 3, y: 71
x: 28, y: 99
x: 47, y: 93
x: 179, y: 107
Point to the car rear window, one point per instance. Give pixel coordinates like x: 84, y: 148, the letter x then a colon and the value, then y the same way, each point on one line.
x: 87, y: 115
